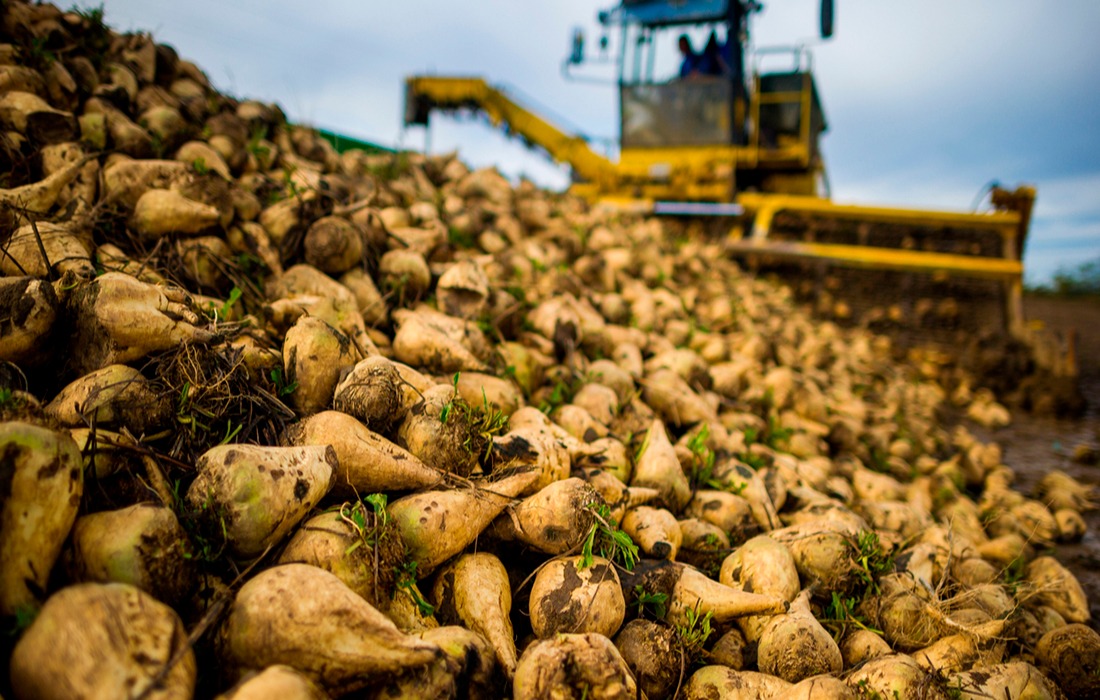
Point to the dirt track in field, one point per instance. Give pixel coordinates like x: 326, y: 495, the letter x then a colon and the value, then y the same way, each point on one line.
x: 1033, y: 445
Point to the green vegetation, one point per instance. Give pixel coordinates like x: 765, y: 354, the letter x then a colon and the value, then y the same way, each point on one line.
x: 369, y: 525
x: 702, y: 459
x: 190, y: 414
x: 1083, y: 280
x: 484, y: 422
x: 487, y: 422
x: 289, y: 185
x: 94, y: 39
x: 772, y: 435
x: 702, y: 466
x: 562, y: 392
x: 406, y: 578
x: 156, y: 141
x: 867, y: 693
x: 605, y: 538
x: 254, y: 146
x: 461, y: 239
x: 840, y: 615
x: 234, y: 297
x: 207, y: 541
x: 21, y: 620
x: 694, y: 633
x: 445, y: 411
x: 1013, y: 574
x: 282, y: 387
x: 656, y: 604
x: 371, y: 521
x: 872, y: 559
x: 39, y: 55
x: 92, y: 15
x: 396, y: 287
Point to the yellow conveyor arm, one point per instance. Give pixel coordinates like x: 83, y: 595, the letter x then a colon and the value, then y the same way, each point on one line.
x: 426, y: 93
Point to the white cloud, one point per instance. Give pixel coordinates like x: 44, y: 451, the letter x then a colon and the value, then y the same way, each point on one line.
x: 1062, y: 237
x: 1071, y: 196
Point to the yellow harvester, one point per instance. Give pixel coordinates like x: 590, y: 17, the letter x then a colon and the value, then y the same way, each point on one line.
x: 709, y: 133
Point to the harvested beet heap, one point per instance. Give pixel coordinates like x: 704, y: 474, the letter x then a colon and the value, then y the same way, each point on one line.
x: 377, y: 423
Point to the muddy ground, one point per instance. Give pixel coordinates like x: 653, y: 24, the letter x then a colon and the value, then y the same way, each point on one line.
x: 1033, y: 445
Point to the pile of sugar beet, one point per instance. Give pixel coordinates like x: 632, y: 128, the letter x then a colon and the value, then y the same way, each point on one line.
x: 281, y: 422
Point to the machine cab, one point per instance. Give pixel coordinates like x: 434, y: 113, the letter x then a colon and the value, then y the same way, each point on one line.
x: 690, y: 103
x: 672, y: 98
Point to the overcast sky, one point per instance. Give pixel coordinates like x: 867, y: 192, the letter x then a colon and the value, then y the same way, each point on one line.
x: 926, y: 101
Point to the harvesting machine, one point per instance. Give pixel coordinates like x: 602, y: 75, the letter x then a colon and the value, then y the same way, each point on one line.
x: 742, y: 144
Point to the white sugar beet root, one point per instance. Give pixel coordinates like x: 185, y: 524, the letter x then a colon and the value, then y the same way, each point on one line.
x: 571, y: 595
x: 436, y: 525
x: 571, y: 665
x: 336, y: 638
x: 554, y: 520
x: 474, y: 591
x: 43, y: 479
x: 795, y: 646
x: 117, y: 641
x: 368, y: 462
x: 256, y: 495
